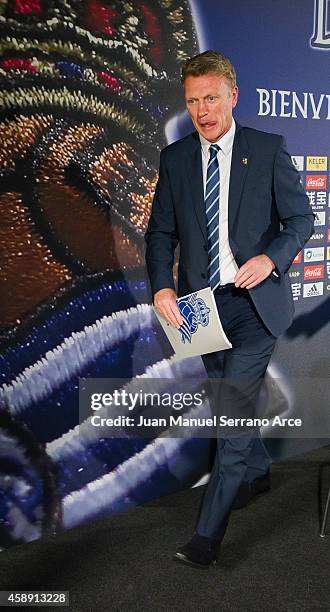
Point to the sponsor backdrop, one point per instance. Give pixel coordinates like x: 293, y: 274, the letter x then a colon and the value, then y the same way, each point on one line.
x: 89, y: 96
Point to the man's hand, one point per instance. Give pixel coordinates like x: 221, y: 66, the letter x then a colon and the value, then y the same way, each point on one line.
x: 254, y: 271
x: 166, y: 306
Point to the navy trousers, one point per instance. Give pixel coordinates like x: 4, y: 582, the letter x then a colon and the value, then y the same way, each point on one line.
x: 246, y: 362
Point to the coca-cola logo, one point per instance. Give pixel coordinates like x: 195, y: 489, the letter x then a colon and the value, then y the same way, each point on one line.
x: 313, y: 272
x: 316, y: 181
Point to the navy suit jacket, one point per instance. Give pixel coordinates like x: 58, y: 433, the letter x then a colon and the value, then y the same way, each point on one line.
x: 268, y: 211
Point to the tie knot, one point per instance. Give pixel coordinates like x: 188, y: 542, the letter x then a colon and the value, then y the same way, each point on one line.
x: 214, y: 148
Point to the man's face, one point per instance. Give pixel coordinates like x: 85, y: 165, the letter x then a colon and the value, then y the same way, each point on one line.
x: 210, y: 101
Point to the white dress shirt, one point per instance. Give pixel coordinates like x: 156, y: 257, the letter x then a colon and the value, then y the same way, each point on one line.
x: 228, y: 266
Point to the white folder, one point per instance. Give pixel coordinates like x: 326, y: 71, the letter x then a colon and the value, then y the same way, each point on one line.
x: 202, y: 331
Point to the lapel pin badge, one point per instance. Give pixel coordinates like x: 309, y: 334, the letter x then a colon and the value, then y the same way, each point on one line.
x: 245, y: 161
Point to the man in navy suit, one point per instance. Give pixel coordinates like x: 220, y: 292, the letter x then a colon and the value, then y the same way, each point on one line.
x: 232, y: 199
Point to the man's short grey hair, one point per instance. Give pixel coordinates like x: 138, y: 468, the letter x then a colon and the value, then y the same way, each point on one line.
x: 210, y: 62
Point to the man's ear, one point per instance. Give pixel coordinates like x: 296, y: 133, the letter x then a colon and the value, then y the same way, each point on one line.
x: 235, y: 96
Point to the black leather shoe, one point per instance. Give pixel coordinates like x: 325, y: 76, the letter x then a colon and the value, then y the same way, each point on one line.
x: 200, y: 552
x: 249, y: 490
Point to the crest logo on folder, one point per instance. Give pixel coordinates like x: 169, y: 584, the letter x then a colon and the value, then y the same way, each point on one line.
x: 194, y: 312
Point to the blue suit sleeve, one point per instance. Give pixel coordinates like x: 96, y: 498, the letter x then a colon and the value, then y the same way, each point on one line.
x: 294, y: 211
x: 162, y: 235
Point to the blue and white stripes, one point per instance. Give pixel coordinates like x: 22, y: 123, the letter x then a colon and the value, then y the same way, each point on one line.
x: 212, y: 197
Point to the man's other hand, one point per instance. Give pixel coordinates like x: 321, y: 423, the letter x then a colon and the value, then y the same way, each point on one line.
x: 166, y: 306
x: 254, y: 271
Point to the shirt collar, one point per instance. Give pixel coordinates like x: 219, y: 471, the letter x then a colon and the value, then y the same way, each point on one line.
x: 225, y: 142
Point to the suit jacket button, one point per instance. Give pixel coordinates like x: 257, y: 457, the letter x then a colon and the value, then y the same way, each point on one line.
x: 203, y: 275
x: 205, y: 247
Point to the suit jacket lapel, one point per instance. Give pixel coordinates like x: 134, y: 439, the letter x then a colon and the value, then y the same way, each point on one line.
x: 241, y: 157
x: 240, y: 160
x: 194, y: 166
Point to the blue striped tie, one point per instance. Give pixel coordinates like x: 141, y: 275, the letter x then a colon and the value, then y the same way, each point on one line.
x: 212, y: 195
